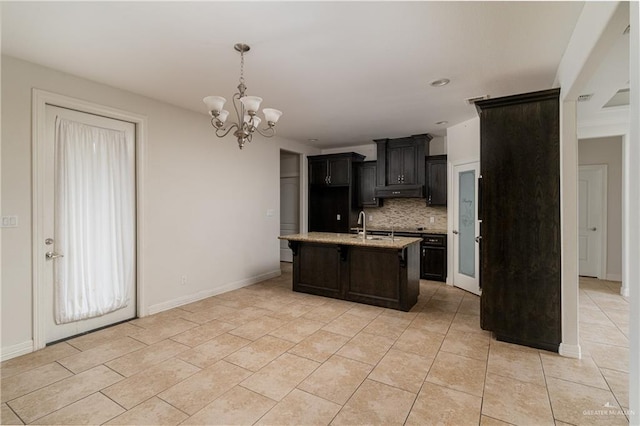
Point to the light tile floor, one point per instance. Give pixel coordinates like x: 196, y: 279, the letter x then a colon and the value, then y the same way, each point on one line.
x: 264, y: 354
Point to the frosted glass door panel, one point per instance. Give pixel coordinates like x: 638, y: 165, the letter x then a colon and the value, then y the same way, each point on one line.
x: 467, y: 223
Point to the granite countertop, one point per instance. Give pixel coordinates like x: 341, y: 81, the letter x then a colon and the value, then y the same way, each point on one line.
x: 417, y: 231
x: 352, y: 240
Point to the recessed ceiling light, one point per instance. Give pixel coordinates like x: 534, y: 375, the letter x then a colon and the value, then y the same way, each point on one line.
x: 313, y: 140
x: 442, y: 122
x: 440, y: 82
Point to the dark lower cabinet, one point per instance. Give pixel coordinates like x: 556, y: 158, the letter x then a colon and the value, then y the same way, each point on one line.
x: 433, y: 257
x: 434, y: 263
x: 383, y: 277
x: 520, y: 259
x: 320, y: 274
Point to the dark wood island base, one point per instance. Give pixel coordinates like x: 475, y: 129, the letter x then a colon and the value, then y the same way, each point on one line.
x: 378, y: 272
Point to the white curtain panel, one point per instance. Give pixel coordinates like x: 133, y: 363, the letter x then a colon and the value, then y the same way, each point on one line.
x: 94, y: 220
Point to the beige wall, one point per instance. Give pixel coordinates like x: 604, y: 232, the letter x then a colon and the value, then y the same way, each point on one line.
x: 205, y: 200
x: 608, y: 151
x: 463, y: 142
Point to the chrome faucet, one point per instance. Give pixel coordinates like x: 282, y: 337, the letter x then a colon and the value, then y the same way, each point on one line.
x: 362, y: 220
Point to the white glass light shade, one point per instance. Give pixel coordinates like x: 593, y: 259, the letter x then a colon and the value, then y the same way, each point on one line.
x: 256, y: 120
x: 271, y: 115
x: 223, y: 115
x: 251, y: 103
x: 214, y: 103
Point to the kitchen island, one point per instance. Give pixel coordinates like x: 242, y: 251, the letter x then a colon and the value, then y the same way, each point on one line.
x: 380, y: 271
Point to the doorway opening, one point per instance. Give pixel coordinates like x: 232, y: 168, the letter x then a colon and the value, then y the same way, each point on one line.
x: 600, y: 208
x: 289, y: 200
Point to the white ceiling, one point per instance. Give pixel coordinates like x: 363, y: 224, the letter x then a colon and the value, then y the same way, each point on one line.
x: 343, y: 72
x: 611, y: 76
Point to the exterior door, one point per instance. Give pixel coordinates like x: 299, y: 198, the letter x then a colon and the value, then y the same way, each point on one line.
x: 53, y: 330
x: 590, y: 219
x: 466, y: 258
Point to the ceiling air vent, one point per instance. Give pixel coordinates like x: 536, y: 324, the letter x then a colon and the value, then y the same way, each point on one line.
x: 473, y: 100
x: 585, y: 98
x: 621, y: 98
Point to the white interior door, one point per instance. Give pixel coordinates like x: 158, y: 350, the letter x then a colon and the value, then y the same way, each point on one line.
x: 289, y: 213
x: 591, y: 199
x: 53, y: 230
x: 466, y: 257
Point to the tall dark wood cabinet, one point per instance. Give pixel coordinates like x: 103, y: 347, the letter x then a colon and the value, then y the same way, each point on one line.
x: 436, y: 180
x: 332, y: 195
x: 520, y: 198
x: 366, y: 176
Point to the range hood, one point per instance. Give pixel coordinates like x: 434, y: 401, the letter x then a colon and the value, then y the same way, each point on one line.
x: 400, y: 191
x: 401, y: 167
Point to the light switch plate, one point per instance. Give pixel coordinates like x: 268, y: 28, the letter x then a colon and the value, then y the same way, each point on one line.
x: 271, y: 212
x: 432, y: 219
x: 9, y: 221
x: 337, y: 217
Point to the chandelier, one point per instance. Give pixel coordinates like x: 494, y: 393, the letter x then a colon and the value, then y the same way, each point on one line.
x: 246, y: 109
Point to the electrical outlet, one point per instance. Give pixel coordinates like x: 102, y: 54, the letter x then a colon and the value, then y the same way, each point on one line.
x: 432, y: 219
x: 183, y: 280
x: 370, y: 218
x: 337, y: 217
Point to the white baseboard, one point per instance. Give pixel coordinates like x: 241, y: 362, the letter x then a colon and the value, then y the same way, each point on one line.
x: 16, y: 350
x: 624, y: 291
x: 613, y: 277
x: 164, y: 306
x: 570, y: 351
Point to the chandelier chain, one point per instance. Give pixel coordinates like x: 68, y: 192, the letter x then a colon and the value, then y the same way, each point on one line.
x: 242, y: 67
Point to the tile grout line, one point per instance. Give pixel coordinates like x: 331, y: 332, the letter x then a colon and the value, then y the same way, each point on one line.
x: 546, y: 389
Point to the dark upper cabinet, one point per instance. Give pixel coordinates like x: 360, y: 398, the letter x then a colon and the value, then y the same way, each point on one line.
x: 436, y: 168
x: 331, y: 170
x: 402, y: 161
x: 520, y: 255
x: 401, y: 166
x: 318, y: 172
x: 366, y: 174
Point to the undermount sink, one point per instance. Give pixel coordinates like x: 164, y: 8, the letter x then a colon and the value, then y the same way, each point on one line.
x: 373, y: 237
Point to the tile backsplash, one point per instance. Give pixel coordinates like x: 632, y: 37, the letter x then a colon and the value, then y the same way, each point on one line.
x: 406, y: 213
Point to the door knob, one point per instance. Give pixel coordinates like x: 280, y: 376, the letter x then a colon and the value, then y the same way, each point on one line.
x: 51, y: 255
x: 455, y: 232
x: 593, y: 229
